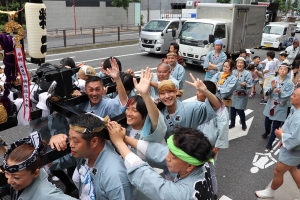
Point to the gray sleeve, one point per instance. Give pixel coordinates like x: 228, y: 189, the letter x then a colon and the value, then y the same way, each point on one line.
x: 151, y: 184
x: 156, y: 155
x: 64, y: 162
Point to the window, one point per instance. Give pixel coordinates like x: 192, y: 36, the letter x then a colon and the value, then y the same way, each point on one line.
x: 174, y: 26
x: 220, y: 31
x: 284, y: 32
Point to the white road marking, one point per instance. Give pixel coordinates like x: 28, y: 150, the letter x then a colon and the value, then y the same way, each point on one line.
x: 126, y: 34
x: 265, y: 160
x: 225, y: 198
x: 132, y: 54
x: 237, y: 131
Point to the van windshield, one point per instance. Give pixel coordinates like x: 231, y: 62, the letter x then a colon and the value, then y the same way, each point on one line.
x: 276, y: 30
x: 156, y: 26
x: 196, y: 31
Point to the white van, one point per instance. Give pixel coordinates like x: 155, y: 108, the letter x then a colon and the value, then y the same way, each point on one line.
x: 275, y: 33
x: 158, y: 34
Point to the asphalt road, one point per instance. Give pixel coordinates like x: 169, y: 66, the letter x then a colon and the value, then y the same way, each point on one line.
x: 237, y: 175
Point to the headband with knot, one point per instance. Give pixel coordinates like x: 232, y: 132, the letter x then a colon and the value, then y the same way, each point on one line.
x: 80, y: 129
x: 34, y: 140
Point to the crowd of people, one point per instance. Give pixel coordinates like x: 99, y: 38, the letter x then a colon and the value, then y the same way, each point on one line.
x: 181, y: 138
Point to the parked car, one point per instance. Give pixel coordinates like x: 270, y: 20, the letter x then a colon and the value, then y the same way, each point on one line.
x: 298, y: 28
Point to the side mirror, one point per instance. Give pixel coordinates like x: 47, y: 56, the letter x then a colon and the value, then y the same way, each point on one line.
x: 211, y: 38
x: 173, y: 33
x: 168, y: 30
x: 205, y: 42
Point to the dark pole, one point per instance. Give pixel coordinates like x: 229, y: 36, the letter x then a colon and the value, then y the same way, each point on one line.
x: 21, y: 22
x: 74, y: 10
x: 148, y: 10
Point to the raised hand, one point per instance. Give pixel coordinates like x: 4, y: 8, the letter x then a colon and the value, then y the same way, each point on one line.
x: 80, y: 64
x: 131, y: 72
x: 59, y: 142
x: 273, y: 83
x: 143, y: 86
x: 198, y: 84
x: 116, y: 132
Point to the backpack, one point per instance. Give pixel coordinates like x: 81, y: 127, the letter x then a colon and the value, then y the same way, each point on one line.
x: 3, y: 114
x: 290, y: 41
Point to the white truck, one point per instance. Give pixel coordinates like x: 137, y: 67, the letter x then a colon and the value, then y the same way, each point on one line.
x: 158, y: 34
x: 275, y: 33
x: 239, y: 26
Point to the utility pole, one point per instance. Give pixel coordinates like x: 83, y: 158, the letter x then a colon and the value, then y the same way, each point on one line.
x: 74, y: 11
x: 148, y: 10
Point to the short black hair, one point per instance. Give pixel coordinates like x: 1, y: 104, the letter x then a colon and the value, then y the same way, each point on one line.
x: 194, y: 143
x: 127, y: 81
x: 106, y: 63
x: 140, y: 105
x: 210, y: 86
x: 176, y: 46
x: 293, y: 34
x: 243, y: 51
x: 271, y: 54
x: 256, y: 57
x: 90, y: 122
x: 250, y: 67
x: 93, y: 79
x: 68, y: 62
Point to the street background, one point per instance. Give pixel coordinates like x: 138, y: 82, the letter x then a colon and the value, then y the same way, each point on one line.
x: 234, y: 165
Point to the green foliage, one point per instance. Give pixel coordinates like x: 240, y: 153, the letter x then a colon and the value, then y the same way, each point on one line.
x: 288, y: 5
x: 282, y: 7
x: 295, y: 5
x: 121, y: 3
x: 223, y: 1
x: 142, y: 22
x: 13, y: 5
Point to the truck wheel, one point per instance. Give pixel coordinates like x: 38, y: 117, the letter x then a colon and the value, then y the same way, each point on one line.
x: 279, y: 47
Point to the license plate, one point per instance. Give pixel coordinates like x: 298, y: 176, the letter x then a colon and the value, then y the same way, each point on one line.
x: 189, y: 61
x: 147, y: 49
x: 268, y: 45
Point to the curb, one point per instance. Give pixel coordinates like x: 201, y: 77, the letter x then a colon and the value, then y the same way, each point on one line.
x: 89, y: 46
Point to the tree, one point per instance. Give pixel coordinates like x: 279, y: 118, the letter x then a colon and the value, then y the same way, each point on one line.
x: 295, y: 5
x: 282, y: 7
x: 124, y: 4
x: 10, y: 5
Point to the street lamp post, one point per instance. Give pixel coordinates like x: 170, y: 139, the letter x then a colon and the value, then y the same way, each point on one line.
x: 148, y: 10
x: 74, y: 10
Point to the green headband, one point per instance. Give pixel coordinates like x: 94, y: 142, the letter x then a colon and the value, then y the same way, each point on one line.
x: 182, y: 155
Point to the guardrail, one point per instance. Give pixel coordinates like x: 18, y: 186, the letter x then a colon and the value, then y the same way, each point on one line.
x: 91, y: 35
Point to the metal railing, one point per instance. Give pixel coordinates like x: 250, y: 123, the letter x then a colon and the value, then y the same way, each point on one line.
x: 91, y: 35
